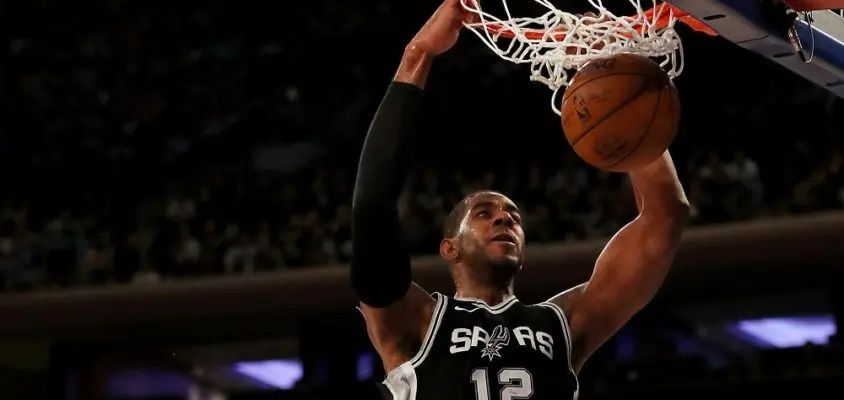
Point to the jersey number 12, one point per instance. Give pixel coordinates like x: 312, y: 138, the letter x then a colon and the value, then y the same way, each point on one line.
x: 517, y: 384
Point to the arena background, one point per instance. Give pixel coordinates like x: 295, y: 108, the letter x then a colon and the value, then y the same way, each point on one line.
x: 175, y: 205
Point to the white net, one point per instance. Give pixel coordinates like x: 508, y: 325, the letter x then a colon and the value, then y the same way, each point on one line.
x: 557, y: 43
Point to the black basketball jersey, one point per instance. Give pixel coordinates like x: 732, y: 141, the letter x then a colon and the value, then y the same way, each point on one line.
x: 474, y: 351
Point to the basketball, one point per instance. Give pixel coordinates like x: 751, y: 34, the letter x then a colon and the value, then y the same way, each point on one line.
x: 620, y: 113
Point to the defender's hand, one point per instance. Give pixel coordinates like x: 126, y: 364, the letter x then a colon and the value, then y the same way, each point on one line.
x: 441, y: 31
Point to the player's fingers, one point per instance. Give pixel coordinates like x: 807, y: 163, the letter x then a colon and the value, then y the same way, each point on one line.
x: 455, y: 3
x: 589, y: 17
x: 469, y: 17
x: 592, y: 18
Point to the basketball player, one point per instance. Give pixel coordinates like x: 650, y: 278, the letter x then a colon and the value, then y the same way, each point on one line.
x: 484, y: 344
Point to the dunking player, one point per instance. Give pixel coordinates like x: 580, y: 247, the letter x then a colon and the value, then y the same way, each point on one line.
x: 483, y: 344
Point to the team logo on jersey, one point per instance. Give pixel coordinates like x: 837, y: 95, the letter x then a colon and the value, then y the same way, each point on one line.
x: 490, y: 344
x: 498, y: 339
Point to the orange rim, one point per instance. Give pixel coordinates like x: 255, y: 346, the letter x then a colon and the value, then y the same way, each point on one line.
x: 662, y: 22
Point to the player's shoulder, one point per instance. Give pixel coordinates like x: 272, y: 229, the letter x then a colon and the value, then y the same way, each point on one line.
x: 549, y: 308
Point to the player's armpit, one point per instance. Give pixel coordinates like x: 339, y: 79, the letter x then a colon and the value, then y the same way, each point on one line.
x: 397, y: 330
x: 631, y: 267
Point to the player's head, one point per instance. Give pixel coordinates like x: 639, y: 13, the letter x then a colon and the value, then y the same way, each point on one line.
x: 483, y: 233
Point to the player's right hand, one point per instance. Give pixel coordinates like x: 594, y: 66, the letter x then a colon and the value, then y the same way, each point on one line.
x: 441, y: 31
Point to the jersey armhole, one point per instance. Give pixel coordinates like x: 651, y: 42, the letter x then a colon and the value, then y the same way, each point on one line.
x: 564, y: 322
x: 401, y: 381
x: 433, y: 327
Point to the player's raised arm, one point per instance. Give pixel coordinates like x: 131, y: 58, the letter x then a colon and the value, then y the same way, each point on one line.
x: 397, y: 312
x: 633, y: 264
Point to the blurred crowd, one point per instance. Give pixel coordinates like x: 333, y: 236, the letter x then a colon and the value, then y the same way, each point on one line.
x: 149, y: 143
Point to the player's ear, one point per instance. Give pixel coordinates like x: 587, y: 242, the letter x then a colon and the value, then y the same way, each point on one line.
x: 448, y: 249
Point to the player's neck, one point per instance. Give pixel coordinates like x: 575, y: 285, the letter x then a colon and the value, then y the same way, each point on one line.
x: 489, y: 295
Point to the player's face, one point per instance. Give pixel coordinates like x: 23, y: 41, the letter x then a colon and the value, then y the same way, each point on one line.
x: 491, y: 233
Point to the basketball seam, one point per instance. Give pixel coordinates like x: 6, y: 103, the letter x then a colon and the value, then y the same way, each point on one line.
x: 612, y: 111
x: 644, y: 132
x: 580, y: 84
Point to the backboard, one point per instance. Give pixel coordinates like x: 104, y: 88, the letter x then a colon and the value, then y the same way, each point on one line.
x: 750, y: 25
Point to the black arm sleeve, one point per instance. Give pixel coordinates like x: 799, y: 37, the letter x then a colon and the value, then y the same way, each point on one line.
x: 380, y: 265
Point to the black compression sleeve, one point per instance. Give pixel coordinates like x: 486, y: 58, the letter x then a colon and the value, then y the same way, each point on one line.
x: 380, y: 266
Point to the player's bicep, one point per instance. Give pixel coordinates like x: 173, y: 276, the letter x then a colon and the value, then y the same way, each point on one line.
x: 627, y: 275
x: 396, y: 329
x: 403, y: 315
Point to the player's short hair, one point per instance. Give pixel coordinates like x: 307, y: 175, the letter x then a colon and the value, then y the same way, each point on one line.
x: 455, y: 216
x: 452, y: 221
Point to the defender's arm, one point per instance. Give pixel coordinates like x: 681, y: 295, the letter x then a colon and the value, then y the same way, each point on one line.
x: 633, y: 264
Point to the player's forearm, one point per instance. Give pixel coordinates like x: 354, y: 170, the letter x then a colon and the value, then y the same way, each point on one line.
x: 388, y: 151
x: 658, y: 190
x: 414, y: 67
x: 633, y: 265
x: 380, y: 265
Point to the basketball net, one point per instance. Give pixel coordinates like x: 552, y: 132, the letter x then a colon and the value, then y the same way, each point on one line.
x: 557, y: 43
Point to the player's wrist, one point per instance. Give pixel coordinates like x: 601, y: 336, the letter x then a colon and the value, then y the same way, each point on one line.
x: 415, y: 65
x: 418, y: 48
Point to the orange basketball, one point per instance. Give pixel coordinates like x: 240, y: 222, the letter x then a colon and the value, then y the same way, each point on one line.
x: 620, y: 113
